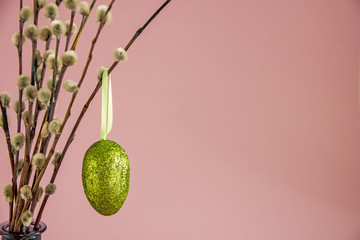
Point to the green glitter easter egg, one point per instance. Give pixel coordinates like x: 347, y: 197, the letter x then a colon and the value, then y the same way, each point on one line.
x: 105, y: 176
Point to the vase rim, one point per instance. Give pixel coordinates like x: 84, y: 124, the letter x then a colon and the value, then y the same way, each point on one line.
x: 5, y: 225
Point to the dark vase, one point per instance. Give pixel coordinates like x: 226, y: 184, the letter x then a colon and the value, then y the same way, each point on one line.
x: 33, y: 235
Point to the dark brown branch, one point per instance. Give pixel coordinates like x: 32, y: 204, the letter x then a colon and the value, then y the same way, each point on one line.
x: 70, y: 30
x: 54, y: 79
x: 7, y: 136
x: 140, y: 30
x: 41, y: 210
x: 58, y: 2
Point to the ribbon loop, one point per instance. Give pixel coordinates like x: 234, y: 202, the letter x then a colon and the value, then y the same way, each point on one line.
x: 106, y: 105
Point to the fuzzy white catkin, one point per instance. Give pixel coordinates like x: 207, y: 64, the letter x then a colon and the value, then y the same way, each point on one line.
x: 41, y: 3
x: 23, y: 81
x: 47, y: 53
x: 26, y: 13
x: 38, y: 74
x: 18, y: 141
x: 39, y: 193
x: 16, y: 106
x: 69, y: 58
x: 31, y: 32
x: 51, y: 10
x: 50, y: 62
x: 15, y: 39
x: 8, y: 193
x: 84, y: 8
x: 73, y: 29
x: 30, y: 93
x: 45, y: 130
x: 25, y: 117
x: 55, y: 125
x: 5, y: 99
x: 44, y: 95
x: 26, y: 218
x: 71, y: 4
x: 100, y: 72
x: 100, y: 13
x: 38, y: 161
x: 43, y: 106
x: 25, y: 192
x: 56, y: 159
x: 20, y: 165
x: 120, y: 54
x: 44, y: 33
x: 50, y: 189
x: 49, y: 82
x: 38, y: 57
x: 57, y: 28
x: 70, y: 86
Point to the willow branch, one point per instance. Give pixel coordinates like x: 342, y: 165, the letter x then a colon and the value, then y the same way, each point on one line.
x: 82, y: 113
x: 57, y: 137
x: 86, y: 106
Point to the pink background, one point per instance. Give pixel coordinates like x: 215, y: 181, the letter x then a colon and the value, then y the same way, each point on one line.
x: 240, y: 119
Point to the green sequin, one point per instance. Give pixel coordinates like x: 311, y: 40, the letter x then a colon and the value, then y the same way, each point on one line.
x: 105, y: 176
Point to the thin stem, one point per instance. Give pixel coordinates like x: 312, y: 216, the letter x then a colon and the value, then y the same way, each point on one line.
x: 7, y: 136
x: 140, y: 30
x: 54, y: 79
x: 70, y: 30
x: 57, y: 90
x: 81, y: 115
x: 41, y: 210
x: 38, y: 140
x: 11, y: 210
x: 82, y: 25
x: 36, y: 12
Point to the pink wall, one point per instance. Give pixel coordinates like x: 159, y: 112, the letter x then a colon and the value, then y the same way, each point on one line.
x: 240, y: 119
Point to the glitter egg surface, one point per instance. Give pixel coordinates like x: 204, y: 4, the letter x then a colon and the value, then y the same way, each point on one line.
x: 105, y: 176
